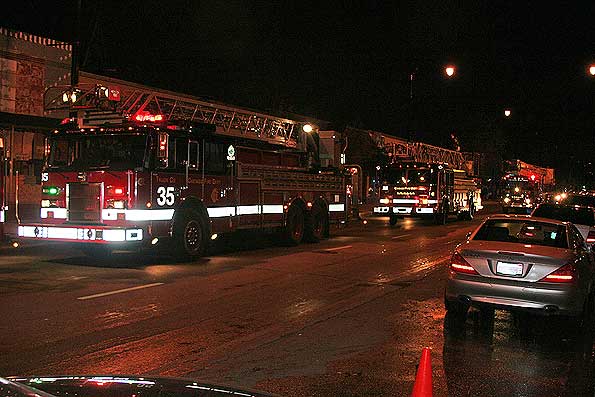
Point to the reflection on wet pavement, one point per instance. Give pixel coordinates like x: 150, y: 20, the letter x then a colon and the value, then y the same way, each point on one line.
x: 517, y: 354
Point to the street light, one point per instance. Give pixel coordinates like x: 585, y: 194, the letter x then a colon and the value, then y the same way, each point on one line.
x: 450, y: 70
x: 507, y: 112
x: 592, y: 70
x: 307, y: 128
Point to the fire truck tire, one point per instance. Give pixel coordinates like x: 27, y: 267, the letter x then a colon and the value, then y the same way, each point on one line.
x: 295, y: 225
x: 393, y: 220
x: 317, y: 224
x: 190, y: 235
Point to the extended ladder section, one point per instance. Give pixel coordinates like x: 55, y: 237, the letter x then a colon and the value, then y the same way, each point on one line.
x: 402, y: 150
x: 543, y: 175
x: 105, y: 105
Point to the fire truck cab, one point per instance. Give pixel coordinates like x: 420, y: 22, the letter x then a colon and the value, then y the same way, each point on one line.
x: 413, y: 189
x: 157, y: 183
x: 519, y: 193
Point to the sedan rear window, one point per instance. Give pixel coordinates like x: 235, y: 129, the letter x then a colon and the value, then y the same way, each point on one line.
x: 523, y: 232
x: 576, y: 215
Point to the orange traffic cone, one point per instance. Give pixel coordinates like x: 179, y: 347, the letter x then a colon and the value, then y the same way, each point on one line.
x: 423, y: 380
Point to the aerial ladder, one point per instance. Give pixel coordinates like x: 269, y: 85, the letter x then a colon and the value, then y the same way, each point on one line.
x: 401, y: 150
x: 100, y: 101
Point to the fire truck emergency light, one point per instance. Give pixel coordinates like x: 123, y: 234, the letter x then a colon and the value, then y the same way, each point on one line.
x: 146, y: 116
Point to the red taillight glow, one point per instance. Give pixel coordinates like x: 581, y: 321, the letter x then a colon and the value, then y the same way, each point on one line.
x: 118, y: 190
x: 565, y: 274
x: 458, y: 264
x: 591, y: 237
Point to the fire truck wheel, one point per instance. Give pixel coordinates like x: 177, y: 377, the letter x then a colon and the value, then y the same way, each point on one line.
x: 317, y: 224
x: 393, y: 220
x: 294, y: 228
x: 190, y: 235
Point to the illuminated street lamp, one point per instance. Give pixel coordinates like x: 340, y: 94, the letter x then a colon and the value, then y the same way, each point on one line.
x: 307, y: 128
x: 450, y: 70
x: 507, y: 112
x: 592, y: 70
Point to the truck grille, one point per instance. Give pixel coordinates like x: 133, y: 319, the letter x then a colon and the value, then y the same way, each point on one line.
x: 84, y: 202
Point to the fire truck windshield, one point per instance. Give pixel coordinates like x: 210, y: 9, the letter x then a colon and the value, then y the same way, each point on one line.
x: 409, y: 176
x: 517, y: 185
x: 87, y: 152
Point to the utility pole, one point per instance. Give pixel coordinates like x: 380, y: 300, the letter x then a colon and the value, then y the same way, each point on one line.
x: 76, y: 46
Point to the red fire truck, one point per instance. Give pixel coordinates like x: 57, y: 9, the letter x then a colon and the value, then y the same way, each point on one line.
x: 168, y: 178
x: 425, y: 181
x: 522, y: 185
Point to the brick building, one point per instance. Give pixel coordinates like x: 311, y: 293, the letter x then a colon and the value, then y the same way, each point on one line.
x: 28, y: 65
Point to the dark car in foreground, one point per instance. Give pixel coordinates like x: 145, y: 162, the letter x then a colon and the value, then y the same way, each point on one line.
x: 111, y: 386
x: 522, y: 263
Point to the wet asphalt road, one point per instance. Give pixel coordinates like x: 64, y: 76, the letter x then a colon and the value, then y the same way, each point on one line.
x: 345, y: 317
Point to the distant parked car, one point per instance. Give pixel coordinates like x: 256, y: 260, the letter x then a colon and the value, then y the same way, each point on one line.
x: 582, y: 217
x: 585, y: 199
x: 522, y: 263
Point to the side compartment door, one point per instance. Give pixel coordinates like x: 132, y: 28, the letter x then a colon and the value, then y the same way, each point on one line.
x: 249, y: 208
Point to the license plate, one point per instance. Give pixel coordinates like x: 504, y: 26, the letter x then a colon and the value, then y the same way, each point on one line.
x: 509, y: 269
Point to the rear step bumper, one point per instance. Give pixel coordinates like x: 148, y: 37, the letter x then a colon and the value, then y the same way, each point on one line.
x: 546, y: 299
x: 82, y: 233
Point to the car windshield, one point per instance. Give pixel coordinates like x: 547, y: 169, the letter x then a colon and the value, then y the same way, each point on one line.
x: 523, y: 232
x: 576, y: 215
x: 84, y: 152
x: 575, y: 199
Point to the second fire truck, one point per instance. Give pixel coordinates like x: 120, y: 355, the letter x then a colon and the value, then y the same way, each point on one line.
x: 425, y: 181
x: 522, y: 185
x: 180, y: 172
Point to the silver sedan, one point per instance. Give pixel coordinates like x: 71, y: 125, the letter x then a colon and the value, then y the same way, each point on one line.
x: 518, y: 262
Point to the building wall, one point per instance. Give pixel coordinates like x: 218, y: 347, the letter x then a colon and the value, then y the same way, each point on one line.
x: 29, y: 64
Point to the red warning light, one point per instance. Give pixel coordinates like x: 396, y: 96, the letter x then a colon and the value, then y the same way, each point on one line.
x: 146, y: 116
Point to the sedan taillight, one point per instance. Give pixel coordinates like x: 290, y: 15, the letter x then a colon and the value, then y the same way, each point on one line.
x: 565, y: 274
x: 591, y: 237
x: 458, y: 264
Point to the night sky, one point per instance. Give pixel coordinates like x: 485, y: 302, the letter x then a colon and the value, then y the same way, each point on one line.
x: 349, y: 63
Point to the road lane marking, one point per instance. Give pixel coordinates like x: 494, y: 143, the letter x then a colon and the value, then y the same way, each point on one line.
x: 338, y: 248
x: 118, y: 291
x: 401, y: 236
